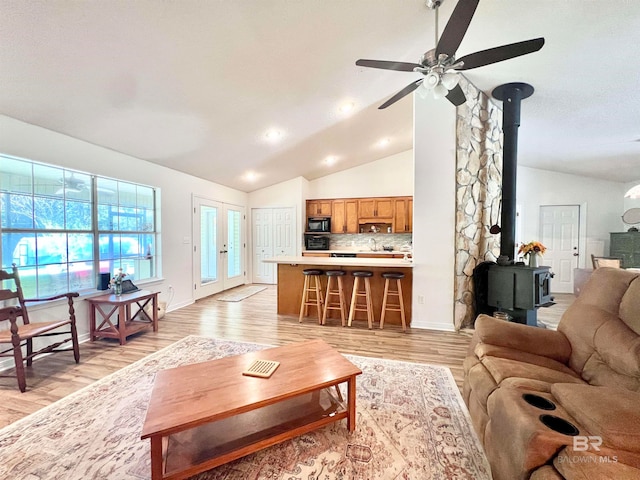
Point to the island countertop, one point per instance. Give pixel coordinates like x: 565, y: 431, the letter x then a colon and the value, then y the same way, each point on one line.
x: 341, y: 261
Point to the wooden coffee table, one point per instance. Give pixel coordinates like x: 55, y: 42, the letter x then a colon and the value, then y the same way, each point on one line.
x: 207, y: 414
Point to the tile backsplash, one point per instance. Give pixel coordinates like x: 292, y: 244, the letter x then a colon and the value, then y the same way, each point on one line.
x: 362, y: 240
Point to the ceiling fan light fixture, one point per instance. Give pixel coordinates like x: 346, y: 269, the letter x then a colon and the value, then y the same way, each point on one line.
x: 431, y: 80
x: 449, y: 80
x: 440, y: 91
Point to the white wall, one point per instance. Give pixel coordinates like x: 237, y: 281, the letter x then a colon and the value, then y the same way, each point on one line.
x: 434, y: 214
x: 601, y: 202
x: 31, y: 142
x: 389, y: 176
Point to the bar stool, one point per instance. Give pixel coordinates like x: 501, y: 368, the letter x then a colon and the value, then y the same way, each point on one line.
x: 368, y: 306
x: 399, y: 307
x: 316, y: 289
x: 341, y: 304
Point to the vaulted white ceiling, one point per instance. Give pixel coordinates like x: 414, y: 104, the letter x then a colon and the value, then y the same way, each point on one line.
x: 194, y: 85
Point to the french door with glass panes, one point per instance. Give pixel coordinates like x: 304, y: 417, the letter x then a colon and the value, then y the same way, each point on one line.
x: 218, y: 246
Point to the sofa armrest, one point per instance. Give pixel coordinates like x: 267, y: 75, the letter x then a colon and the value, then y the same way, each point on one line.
x: 538, y: 341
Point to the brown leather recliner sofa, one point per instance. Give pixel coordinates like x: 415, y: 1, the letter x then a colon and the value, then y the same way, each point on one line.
x: 523, y: 384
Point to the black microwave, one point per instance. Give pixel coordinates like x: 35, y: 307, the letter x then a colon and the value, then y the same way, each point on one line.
x: 319, y: 224
x: 316, y: 242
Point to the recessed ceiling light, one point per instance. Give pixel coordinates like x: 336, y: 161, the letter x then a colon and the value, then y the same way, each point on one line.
x: 273, y: 135
x: 330, y: 160
x: 346, y: 107
x: 251, y: 176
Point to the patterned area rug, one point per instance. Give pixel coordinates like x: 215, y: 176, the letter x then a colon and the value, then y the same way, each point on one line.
x: 411, y: 424
x: 240, y: 293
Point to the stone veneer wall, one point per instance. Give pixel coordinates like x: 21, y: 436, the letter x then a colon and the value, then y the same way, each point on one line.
x: 478, y: 193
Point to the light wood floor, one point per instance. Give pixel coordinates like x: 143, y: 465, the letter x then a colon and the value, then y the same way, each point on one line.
x: 253, y: 320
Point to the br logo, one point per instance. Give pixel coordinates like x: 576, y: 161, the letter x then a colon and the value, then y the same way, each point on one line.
x: 582, y: 443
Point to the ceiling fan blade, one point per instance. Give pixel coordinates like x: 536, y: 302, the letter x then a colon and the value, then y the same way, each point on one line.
x: 498, y: 54
x: 457, y: 26
x: 405, y: 91
x: 387, y: 65
x: 456, y: 96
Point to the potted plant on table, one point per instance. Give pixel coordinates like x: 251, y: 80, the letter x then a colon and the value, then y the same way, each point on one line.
x: 116, y: 282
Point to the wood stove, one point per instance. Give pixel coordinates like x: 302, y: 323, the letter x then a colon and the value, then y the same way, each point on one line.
x: 519, y: 290
x: 511, y: 287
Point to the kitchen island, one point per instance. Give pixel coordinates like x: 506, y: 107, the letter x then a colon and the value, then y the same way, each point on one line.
x: 291, y: 281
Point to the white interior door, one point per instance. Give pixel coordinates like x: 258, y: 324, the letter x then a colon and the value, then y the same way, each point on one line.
x: 233, y: 248
x: 262, y: 235
x: 284, y: 231
x: 273, y: 234
x: 560, y: 228
x: 218, y: 246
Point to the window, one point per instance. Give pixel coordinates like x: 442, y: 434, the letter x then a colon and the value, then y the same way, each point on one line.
x: 62, y: 227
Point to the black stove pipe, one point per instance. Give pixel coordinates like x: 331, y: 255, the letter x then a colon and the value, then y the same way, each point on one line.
x: 511, y: 94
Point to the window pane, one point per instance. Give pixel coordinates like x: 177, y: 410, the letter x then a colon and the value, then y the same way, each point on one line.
x: 52, y: 280
x: 51, y: 248
x: 28, y: 280
x: 81, y: 276
x: 107, y: 191
x: 146, y: 220
x: 16, y: 176
x: 17, y: 211
x: 80, y: 247
x: 129, y: 246
x: 128, y: 219
x: 49, y: 213
x: 109, y: 246
x: 48, y: 180
x: 76, y: 186
x: 233, y: 244
x: 145, y: 197
x: 78, y: 216
x: 126, y: 194
x: 107, y: 217
x: 18, y: 248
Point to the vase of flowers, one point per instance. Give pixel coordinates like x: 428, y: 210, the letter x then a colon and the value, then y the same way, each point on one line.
x: 116, y: 282
x: 532, y: 251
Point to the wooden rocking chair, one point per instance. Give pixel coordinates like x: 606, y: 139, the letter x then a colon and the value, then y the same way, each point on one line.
x: 21, y: 332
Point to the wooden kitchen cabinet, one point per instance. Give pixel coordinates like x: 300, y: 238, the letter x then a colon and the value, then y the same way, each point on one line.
x: 319, y: 208
x: 403, y: 215
x: 375, y: 208
x: 344, y: 216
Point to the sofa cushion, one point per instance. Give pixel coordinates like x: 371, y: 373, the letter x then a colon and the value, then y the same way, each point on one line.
x: 503, y: 368
x: 619, y: 347
x: 484, y: 349
x: 630, y: 306
x: 597, y: 372
x: 606, y: 288
x: 610, y: 413
x: 537, y: 341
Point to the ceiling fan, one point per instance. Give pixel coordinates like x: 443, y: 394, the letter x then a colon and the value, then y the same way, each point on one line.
x: 439, y: 65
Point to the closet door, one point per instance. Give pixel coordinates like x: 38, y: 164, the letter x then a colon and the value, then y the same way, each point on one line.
x: 262, y: 228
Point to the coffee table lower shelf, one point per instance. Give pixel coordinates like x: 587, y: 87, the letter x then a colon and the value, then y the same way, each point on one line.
x: 207, y: 446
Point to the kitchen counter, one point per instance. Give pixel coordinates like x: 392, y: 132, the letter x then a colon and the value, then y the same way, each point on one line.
x: 291, y: 281
x: 341, y: 261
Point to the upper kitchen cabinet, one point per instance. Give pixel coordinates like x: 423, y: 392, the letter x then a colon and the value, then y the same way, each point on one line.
x: 320, y: 208
x: 344, y: 216
x: 375, y: 208
x: 403, y: 217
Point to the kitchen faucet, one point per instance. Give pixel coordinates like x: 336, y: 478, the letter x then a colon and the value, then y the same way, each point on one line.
x: 375, y: 244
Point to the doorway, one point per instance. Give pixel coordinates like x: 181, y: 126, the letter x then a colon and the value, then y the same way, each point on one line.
x: 218, y: 246
x: 273, y: 234
x: 560, y: 233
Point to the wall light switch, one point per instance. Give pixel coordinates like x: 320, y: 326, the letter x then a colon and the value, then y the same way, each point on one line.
x: 186, y: 240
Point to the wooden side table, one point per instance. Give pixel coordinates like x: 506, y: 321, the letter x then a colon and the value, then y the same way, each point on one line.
x: 116, y: 319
